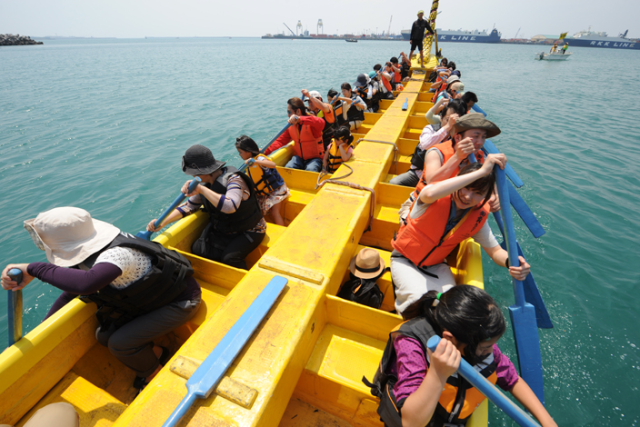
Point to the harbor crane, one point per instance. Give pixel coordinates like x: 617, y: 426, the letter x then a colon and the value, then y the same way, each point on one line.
x: 319, y: 28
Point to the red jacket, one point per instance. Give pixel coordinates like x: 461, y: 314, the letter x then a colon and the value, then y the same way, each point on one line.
x: 310, y: 128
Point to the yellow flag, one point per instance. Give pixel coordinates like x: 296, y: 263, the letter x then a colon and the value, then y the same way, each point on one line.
x: 563, y: 35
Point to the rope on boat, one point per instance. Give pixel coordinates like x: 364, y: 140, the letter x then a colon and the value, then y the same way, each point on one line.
x: 352, y: 185
x: 395, y: 148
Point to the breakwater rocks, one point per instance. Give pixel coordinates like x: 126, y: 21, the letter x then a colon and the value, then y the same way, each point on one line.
x: 16, y: 40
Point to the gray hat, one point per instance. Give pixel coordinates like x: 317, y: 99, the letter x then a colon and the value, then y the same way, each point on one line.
x: 476, y: 121
x: 199, y: 160
x: 362, y: 80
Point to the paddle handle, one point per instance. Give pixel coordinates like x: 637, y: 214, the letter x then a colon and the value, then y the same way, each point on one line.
x: 489, y: 389
x: 147, y: 234
x: 509, y: 232
x: 14, y: 308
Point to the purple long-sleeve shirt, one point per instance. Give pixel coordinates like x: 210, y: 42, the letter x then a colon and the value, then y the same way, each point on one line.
x: 76, y: 282
x: 412, y: 366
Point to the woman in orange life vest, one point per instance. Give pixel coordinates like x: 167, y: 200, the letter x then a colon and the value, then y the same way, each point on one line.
x: 339, y: 151
x: 445, y: 214
x: 444, y: 160
x: 270, y: 186
x: 306, y: 133
x: 418, y: 387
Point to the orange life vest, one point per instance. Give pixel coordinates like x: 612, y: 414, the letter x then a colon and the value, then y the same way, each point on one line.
x: 266, y: 180
x: 423, y: 241
x: 386, y: 83
x: 307, y: 145
x: 447, y: 149
x: 439, y: 90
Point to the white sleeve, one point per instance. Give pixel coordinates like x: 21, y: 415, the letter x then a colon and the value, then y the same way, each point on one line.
x: 485, y: 237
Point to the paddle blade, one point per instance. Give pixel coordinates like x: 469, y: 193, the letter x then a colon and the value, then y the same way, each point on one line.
x: 525, y: 212
x: 207, y: 376
x: 527, y: 340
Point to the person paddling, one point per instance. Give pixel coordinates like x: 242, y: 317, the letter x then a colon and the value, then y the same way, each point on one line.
x: 445, y: 214
x: 270, y: 185
x: 418, y: 387
x: 236, y: 224
x: 142, y: 289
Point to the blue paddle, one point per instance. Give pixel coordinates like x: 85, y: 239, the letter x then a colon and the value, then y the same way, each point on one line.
x: 489, y: 390
x: 284, y: 129
x: 146, y: 234
x: 210, y: 372
x: 531, y: 291
x: 525, y: 212
x: 490, y: 148
x: 14, y: 308
x: 523, y: 314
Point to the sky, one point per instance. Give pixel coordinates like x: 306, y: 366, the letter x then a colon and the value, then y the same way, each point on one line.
x: 254, y: 18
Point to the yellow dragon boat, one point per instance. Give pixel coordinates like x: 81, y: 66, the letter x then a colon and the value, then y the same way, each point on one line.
x: 304, y: 364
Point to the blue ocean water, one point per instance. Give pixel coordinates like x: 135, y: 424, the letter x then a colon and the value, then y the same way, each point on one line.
x: 102, y: 124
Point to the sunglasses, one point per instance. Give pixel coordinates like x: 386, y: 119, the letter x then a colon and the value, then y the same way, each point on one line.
x: 289, y: 112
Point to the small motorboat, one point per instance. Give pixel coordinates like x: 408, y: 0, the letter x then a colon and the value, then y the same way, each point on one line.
x: 351, y: 40
x: 555, y: 56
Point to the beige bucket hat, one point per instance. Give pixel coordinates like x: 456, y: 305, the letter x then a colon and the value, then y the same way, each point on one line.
x: 69, y: 235
x: 367, y: 264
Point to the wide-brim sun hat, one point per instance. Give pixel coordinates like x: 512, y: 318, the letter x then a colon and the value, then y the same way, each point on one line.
x: 367, y: 264
x: 69, y: 235
x: 453, y: 79
x: 476, y: 121
x: 199, y: 160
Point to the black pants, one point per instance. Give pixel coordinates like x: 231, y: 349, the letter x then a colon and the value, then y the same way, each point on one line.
x: 230, y: 249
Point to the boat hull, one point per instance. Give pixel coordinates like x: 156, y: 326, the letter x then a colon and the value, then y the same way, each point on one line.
x: 606, y: 44
x: 461, y: 36
x: 303, y: 352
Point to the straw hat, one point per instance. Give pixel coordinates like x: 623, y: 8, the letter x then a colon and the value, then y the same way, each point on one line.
x: 199, y: 160
x: 476, y: 121
x: 367, y: 264
x: 69, y: 235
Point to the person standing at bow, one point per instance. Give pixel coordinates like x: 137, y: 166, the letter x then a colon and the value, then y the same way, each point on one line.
x: 417, y: 35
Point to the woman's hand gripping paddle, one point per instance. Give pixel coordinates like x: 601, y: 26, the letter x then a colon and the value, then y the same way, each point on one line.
x: 489, y: 390
x: 284, y: 129
x: 146, y: 234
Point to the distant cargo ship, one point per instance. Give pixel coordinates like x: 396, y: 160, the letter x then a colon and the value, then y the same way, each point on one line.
x: 462, y: 36
x: 593, y: 39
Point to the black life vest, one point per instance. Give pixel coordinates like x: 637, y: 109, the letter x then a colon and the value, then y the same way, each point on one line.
x: 354, y: 113
x: 246, y: 216
x: 384, y: 381
x: 417, y: 160
x: 159, y: 287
